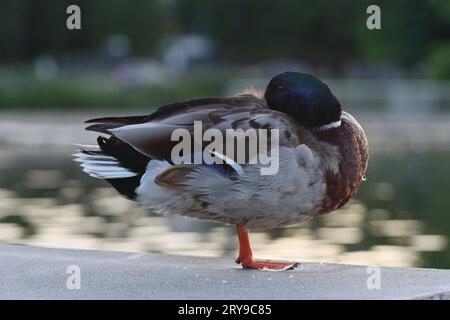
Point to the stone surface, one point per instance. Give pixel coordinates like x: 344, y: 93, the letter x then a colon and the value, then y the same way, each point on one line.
x: 40, y: 273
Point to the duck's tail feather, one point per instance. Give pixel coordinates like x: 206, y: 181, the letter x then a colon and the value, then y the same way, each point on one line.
x: 99, y: 165
x: 116, y: 162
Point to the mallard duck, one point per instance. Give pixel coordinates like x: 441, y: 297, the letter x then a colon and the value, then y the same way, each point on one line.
x: 323, y: 154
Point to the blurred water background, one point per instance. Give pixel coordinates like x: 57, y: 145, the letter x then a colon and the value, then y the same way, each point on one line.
x: 129, y: 59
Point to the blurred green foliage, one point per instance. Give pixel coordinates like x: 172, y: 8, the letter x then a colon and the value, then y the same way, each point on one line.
x: 325, y: 32
x: 29, y: 28
x: 102, y: 91
x: 319, y: 32
x: 438, y: 62
x: 326, y: 35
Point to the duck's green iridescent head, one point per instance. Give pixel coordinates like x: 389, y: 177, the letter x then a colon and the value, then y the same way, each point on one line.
x: 305, y: 98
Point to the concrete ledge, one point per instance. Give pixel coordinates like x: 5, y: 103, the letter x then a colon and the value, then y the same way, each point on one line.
x: 40, y: 273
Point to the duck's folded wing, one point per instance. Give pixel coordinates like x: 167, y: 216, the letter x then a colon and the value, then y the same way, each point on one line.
x: 151, y: 134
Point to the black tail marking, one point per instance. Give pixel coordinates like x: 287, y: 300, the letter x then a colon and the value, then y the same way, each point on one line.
x: 128, y: 158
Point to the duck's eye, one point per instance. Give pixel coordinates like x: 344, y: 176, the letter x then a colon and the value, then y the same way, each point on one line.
x: 280, y: 87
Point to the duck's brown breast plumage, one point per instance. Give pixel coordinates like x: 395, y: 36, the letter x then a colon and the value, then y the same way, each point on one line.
x: 352, y: 152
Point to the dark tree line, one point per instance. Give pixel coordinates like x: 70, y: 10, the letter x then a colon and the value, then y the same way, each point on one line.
x: 318, y: 31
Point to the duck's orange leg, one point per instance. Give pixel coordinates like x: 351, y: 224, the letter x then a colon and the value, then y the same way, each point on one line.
x: 246, y: 256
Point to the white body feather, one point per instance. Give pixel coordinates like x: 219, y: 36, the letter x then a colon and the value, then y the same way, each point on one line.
x: 252, y: 200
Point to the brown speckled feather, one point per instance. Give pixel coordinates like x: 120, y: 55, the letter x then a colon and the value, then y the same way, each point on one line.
x: 151, y: 134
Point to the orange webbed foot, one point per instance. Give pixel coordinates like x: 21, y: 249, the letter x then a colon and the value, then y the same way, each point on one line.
x: 267, y: 264
x: 245, y: 257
